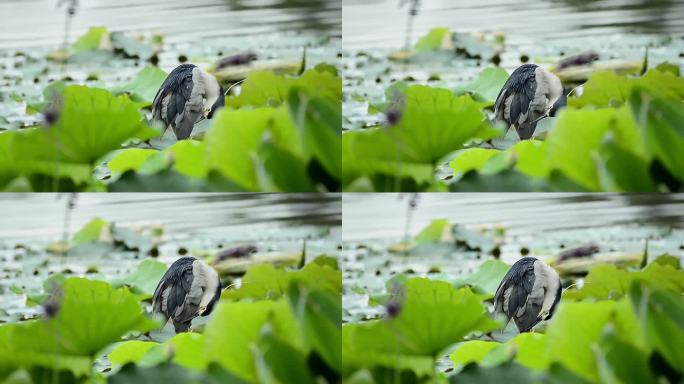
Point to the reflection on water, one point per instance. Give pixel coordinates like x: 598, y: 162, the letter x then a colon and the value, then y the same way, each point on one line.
x: 382, y: 23
x: 42, y: 215
x: 380, y: 216
x: 176, y: 20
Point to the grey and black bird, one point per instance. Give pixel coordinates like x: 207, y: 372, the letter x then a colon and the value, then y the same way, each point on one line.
x: 187, y: 96
x: 188, y: 289
x: 528, y: 294
x: 530, y: 94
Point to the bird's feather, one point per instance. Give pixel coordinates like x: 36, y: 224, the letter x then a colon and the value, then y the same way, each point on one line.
x: 511, y: 296
x: 169, y: 296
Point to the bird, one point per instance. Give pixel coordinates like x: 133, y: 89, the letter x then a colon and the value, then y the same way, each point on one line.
x: 188, y: 289
x: 530, y: 94
x: 187, y: 96
x: 529, y: 293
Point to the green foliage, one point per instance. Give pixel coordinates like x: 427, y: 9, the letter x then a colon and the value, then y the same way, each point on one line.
x: 130, y: 351
x: 143, y: 280
x: 281, y: 134
x: 90, y: 232
x: 292, y: 335
x: 608, y: 89
x: 660, y: 315
x: 92, y: 40
x: 90, y: 315
x: 432, y: 124
x: 433, y: 232
x: 471, y: 159
x: 472, y: 351
x: 92, y: 123
x: 487, y: 85
x: 265, y: 281
x: 143, y: 87
x: 432, y: 315
x: 622, y: 134
x: 487, y: 278
x: 266, y: 89
x: 608, y: 282
x: 232, y: 140
x: 130, y: 159
x: 433, y: 40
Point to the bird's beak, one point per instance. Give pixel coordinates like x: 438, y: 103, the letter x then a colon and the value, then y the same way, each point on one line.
x: 201, y: 310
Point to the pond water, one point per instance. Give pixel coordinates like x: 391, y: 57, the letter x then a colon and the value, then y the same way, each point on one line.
x: 382, y: 23
x: 41, y: 216
x: 519, y: 213
x: 177, y: 20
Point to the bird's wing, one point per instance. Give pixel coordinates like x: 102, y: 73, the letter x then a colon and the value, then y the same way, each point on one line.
x: 520, y: 105
x: 514, y: 98
x: 178, y: 102
x: 500, y: 104
x: 172, y: 289
x: 193, y: 287
x: 512, y: 294
x: 192, y: 98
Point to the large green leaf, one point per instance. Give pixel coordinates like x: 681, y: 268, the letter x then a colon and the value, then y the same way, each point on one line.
x: 232, y: 141
x: 91, y: 124
x: 472, y: 351
x: 278, y: 362
x: 488, y: 84
x: 90, y: 316
x: 411, y: 339
x: 621, y: 361
x: 264, y: 281
x: 661, y: 122
x: 85, y: 323
x: 264, y: 88
x: 433, y: 40
x: 92, y: 40
x: 235, y: 327
x: 471, y: 159
x: 433, y: 123
x: 434, y: 232
x: 527, y: 349
x: 319, y: 123
x: 605, y: 89
x: 144, y: 278
x: 660, y: 314
x: 144, y: 86
x: 91, y: 232
x: 130, y: 159
x: 319, y: 316
x: 573, y: 145
x: 606, y: 281
x: 487, y: 277
x: 506, y: 373
x: 167, y: 373
x: 130, y: 351
x: 577, y: 327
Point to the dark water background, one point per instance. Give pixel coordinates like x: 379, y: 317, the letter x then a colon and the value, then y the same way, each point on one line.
x: 382, y: 23
x: 41, y: 216
x: 27, y: 23
x: 383, y: 216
